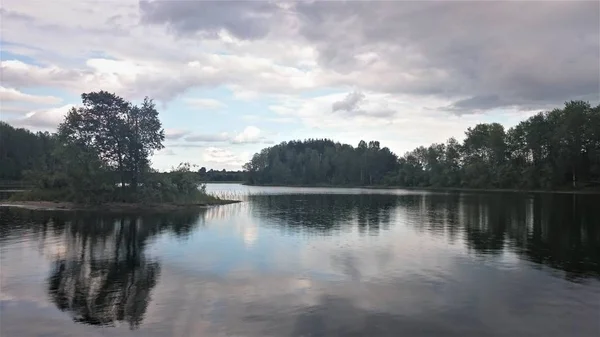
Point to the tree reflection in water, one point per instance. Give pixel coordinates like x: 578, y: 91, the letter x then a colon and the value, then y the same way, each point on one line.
x: 104, y: 275
x: 557, y: 230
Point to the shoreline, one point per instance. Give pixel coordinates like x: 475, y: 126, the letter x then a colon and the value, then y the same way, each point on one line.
x: 435, y: 189
x: 110, y: 207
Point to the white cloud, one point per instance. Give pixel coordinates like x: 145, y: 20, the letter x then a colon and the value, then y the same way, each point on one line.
x: 251, y: 134
x: 12, y: 109
x: 205, y: 103
x: 14, y: 95
x: 44, y: 119
x: 247, y: 76
x: 343, y: 111
x: 224, y: 157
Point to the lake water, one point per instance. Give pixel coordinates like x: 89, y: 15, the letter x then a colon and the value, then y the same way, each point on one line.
x: 309, y: 262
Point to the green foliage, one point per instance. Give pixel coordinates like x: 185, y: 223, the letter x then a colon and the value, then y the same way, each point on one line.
x: 100, y: 154
x: 22, y: 150
x: 181, y: 185
x: 321, y: 161
x: 120, y: 135
x: 551, y: 150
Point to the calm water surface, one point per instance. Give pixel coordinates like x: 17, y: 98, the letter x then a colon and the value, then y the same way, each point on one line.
x: 309, y: 262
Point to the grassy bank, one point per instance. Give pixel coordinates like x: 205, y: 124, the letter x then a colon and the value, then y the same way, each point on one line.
x: 64, y: 199
x: 112, y: 206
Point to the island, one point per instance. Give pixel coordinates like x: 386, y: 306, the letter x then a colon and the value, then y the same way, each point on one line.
x: 99, y: 159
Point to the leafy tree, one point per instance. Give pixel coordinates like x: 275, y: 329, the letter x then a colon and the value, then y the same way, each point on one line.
x: 120, y: 135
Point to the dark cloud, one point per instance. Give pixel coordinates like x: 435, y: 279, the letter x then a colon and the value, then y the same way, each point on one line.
x: 352, y: 105
x: 242, y: 19
x: 349, y: 103
x: 496, y: 53
x: 7, y: 14
x: 482, y: 55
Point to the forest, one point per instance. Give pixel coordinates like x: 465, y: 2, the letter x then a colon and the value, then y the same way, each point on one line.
x: 22, y: 150
x: 557, y: 149
x: 108, y: 142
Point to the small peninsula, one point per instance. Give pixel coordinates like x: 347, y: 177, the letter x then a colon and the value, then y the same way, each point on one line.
x: 99, y: 159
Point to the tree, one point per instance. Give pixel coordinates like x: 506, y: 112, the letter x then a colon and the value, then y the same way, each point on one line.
x: 122, y: 136
x: 145, y: 135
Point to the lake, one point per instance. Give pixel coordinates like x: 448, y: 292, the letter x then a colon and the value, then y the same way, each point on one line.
x: 309, y: 262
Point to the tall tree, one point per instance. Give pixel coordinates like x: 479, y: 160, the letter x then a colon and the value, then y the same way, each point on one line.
x: 121, y: 135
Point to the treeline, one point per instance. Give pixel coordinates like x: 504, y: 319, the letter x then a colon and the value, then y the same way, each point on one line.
x: 551, y: 150
x: 22, y: 150
x: 100, y: 153
x: 221, y: 176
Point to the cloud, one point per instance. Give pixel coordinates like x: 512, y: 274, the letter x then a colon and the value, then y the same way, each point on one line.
x: 349, y: 103
x: 250, y: 135
x: 175, y: 134
x: 45, y: 119
x: 457, y: 51
x: 461, y: 50
x: 20, y: 74
x: 205, y: 103
x: 224, y: 157
x: 353, y: 103
x: 217, y: 155
x: 341, y: 111
x: 12, y: 109
x: 166, y: 152
x: 164, y: 80
x: 209, y: 137
x: 244, y: 20
x: 13, y: 95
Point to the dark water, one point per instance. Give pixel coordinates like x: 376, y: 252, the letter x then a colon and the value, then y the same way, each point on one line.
x: 302, y: 262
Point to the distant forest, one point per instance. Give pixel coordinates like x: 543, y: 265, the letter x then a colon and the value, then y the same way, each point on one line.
x: 221, y: 176
x: 558, y: 149
x: 552, y: 150
x: 22, y: 150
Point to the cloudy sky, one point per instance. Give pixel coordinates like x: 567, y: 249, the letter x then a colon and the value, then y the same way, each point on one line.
x: 232, y: 77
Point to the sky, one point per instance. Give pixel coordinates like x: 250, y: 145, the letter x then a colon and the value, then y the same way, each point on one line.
x: 232, y: 77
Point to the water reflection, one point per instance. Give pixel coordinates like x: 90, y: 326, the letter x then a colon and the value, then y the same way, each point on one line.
x: 100, y: 273
x: 325, y: 264
x: 557, y: 230
x: 325, y: 213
